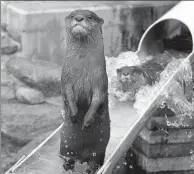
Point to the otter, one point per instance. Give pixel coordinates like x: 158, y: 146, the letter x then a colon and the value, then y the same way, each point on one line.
x: 84, y: 85
x: 131, y: 78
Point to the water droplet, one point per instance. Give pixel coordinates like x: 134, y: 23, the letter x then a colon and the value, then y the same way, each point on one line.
x: 67, y: 153
x: 94, y: 154
x: 72, y: 153
x: 125, y: 163
x: 118, y: 167
x: 66, y: 146
x: 65, y: 141
x: 101, y: 131
x: 189, y: 135
x: 191, y: 151
x: 130, y: 166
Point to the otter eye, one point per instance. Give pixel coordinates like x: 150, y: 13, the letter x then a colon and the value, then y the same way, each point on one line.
x: 71, y: 16
x: 89, y: 17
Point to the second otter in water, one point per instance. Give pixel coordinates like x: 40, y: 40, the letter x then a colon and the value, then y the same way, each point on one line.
x: 86, y: 130
x: 131, y: 78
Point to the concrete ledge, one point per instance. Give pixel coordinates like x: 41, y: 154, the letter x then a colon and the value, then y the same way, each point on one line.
x: 39, y: 25
x: 163, y: 150
x: 173, y: 122
x: 177, y: 165
x: 171, y: 136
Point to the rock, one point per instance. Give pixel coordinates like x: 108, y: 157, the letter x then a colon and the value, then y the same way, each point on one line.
x: 16, y: 35
x: 4, y: 59
x: 3, y: 35
x: 7, y: 93
x: 26, y: 122
x: 55, y: 100
x: 8, y: 46
x: 192, y: 65
x: 42, y: 75
x: 29, y: 95
x: 6, y: 79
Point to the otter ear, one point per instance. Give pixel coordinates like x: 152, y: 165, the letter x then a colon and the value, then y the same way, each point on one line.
x: 118, y: 70
x: 137, y: 69
x: 101, y: 21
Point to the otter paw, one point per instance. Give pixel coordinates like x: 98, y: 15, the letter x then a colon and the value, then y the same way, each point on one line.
x: 69, y: 165
x: 74, y: 119
x: 87, y: 124
x: 92, y: 169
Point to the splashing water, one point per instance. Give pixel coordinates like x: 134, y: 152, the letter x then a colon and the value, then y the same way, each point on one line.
x: 173, y: 95
x: 130, y: 166
x: 124, y: 59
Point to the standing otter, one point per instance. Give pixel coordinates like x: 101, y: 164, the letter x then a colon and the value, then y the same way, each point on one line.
x: 86, y: 130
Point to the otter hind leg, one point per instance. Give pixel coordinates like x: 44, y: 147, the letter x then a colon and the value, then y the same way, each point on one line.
x: 68, y: 164
x: 71, y: 139
x: 95, y: 163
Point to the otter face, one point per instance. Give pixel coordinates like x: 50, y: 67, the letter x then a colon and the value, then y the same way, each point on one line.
x: 83, y: 22
x: 131, y: 78
x: 124, y: 74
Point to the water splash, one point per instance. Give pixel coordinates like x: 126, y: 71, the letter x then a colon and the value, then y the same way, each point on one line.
x: 130, y: 166
x: 125, y: 163
x: 173, y: 96
x: 124, y: 59
x: 118, y: 166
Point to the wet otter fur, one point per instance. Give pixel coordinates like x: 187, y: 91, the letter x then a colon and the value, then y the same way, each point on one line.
x: 131, y: 78
x: 84, y: 84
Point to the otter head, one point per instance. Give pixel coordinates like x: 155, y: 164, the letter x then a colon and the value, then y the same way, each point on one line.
x: 82, y: 23
x: 131, y: 77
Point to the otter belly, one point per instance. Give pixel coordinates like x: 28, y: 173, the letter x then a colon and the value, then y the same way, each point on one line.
x: 83, y: 90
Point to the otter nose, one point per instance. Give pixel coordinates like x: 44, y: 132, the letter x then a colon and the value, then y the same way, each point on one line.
x: 79, y: 18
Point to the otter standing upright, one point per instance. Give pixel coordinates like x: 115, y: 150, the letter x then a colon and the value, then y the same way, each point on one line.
x: 86, y: 130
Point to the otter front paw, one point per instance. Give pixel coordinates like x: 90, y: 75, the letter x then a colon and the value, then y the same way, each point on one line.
x: 74, y: 119
x: 87, y: 123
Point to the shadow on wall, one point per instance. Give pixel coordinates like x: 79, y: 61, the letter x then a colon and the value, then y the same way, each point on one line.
x: 135, y: 21
x: 163, y: 36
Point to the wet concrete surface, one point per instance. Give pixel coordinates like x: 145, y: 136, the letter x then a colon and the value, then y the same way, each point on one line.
x: 47, y: 160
